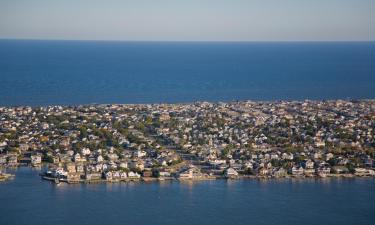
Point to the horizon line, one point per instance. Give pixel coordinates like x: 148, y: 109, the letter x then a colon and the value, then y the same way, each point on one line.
x: 189, y: 41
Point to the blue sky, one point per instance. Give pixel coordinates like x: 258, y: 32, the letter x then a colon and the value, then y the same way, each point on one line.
x: 189, y: 20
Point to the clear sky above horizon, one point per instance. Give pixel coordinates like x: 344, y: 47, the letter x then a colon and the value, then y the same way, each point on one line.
x: 189, y: 20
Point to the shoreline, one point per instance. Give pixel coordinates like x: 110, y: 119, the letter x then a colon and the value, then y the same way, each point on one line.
x: 202, y: 178
x: 7, y: 177
x: 172, y: 179
x: 178, y: 103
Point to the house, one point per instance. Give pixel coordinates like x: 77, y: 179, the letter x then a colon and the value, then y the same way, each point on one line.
x: 309, y: 172
x: 78, y: 158
x: 309, y: 164
x: 323, y: 171
x: 112, y: 165
x: 113, y: 156
x: 134, y: 175
x: 263, y: 171
x: 108, y: 175
x: 287, y: 156
x: 36, y: 160
x: 116, y: 175
x: 123, y: 165
x: 73, y: 177
x: 297, y: 171
x: 137, y: 164
x: 320, y: 143
x: 230, y: 173
x: 80, y: 168
x: 369, y: 162
x: 57, y: 172
x: 164, y: 174
x: 340, y: 169
x: 24, y: 147
x: 55, y: 159
x: 140, y: 153
x: 98, y: 167
x: 85, y: 151
x: 364, y: 172
x: 164, y: 116
x: 93, y: 176
x: 99, y: 158
x: 12, y: 160
x: 190, y: 173
x: 65, y: 142
x: 123, y: 175
x: 329, y: 156
x: 281, y: 172
x: 147, y: 173
x: 71, y: 168
x: 3, y: 159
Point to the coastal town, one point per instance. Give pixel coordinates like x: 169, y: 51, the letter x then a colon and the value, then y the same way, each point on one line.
x: 197, y: 141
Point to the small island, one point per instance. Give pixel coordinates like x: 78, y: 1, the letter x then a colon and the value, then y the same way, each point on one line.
x: 197, y: 141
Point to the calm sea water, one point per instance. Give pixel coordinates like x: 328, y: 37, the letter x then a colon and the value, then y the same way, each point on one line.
x: 78, y: 72
x: 29, y: 200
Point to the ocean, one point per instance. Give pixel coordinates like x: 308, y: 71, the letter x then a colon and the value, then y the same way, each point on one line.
x: 29, y: 200
x: 82, y: 72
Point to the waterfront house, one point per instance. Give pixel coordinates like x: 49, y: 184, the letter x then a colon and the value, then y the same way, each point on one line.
x: 323, y: 171
x: 187, y: 174
x: 123, y: 175
x: 281, y: 172
x: 190, y: 173
x: 147, y: 173
x: 230, y: 173
x: 297, y: 171
x: 164, y: 174
x: 340, y: 169
x: 133, y: 175
x: 36, y: 160
x: 58, y: 172
x: 108, y: 175
x: 364, y: 172
x: 73, y: 177
x: 116, y: 175
x: 93, y: 176
x: 263, y: 171
x: 310, y: 172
